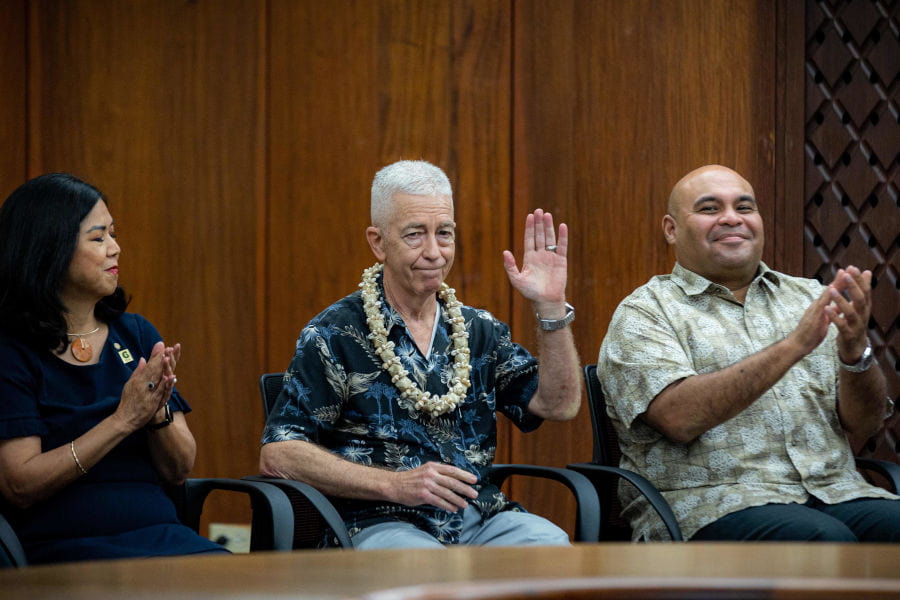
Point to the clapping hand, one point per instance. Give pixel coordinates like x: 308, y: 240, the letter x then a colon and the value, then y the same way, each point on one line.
x: 851, y: 304
x: 846, y: 303
x: 150, y: 386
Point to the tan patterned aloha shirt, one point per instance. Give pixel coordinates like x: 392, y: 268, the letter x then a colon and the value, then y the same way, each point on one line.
x: 786, y: 446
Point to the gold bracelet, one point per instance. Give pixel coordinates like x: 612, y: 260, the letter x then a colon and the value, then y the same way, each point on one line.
x: 75, y: 456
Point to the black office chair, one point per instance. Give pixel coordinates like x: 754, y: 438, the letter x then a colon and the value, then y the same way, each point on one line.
x: 314, y: 512
x: 878, y: 472
x: 11, y: 552
x: 605, y: 473
x: 271, y: 525
x: 272, y: 517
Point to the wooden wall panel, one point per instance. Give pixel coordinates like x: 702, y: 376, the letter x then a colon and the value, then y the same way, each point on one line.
x: 237, y: 142
x: 354, y: 86
x: 14, y: 99
x: 157, y: 104
x: 614, y: 101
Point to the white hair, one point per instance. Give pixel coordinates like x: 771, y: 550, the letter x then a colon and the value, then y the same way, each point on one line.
x: 415, y: 177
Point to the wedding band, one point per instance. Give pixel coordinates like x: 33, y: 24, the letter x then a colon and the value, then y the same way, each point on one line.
x: 551, y: 248
x: 151, y: 386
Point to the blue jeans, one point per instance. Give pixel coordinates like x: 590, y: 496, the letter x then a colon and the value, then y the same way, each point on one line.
x: 860, y: 520
x: 507, y: 528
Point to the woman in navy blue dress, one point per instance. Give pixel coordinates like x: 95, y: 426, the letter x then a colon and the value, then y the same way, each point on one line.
x: 91, y: 425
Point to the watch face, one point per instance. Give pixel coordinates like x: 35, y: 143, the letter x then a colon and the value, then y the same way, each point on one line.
x: 864, y: 362
x: 865, y: 357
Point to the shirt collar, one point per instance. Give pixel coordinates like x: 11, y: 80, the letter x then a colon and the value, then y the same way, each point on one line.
x: 693, y: 284
x: 391, y: 316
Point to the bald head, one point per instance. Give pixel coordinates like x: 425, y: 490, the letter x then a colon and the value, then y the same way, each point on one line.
x: 692, y: 185
x: 714, y: 223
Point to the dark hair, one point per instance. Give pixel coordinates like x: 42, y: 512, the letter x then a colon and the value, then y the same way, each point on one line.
x: 39, y: 227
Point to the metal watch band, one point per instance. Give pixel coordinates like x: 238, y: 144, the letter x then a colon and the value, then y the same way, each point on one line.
x: 554, y: 324
x: 865, y: 361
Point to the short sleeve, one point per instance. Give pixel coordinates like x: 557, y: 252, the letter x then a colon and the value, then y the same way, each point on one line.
x: 640, y: 356
x: 20, y: 383
x: 516, y: 380
x: 307, y: 408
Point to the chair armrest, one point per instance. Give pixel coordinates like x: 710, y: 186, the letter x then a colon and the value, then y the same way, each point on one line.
x: 273, y: 518
x: 11, y: 552
x: 312, y: 511
x: 587, y: 515
x: 888, y: 470
x: 598, y: 473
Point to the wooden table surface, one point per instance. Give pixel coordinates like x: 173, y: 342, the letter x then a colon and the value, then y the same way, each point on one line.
x: 762, y: 570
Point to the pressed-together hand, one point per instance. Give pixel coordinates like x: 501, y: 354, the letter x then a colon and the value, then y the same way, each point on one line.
x: 813, y: 325
x: 850, y: 316
x: 173, y: 353
x: 851, y: 303
x: 543, y: 276
x: 444, y: 486
x: 150, y: 386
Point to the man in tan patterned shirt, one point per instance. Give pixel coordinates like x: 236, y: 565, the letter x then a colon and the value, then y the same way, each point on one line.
x: 734, y: 388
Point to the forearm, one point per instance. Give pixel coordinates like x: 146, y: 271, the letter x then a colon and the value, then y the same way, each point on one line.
x: 688, y: 408
x: 542, y: 280
x: 558, y: 396
x: 324, y: 470
x: 861, y: 401
x: 30, y: 475
x: 173, y: 450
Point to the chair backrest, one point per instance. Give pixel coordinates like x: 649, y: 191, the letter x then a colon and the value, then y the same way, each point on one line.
x: 270, y: 385
x: 607, y: 453
x: 11, y: 552
x: 309, y: 523
x: 606, y: 440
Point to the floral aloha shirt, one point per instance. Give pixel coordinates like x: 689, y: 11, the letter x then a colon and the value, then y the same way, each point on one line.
x: 337, y: 395
x: 784, y: 447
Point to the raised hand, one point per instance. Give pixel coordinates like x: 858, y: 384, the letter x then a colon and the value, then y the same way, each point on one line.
x: 542, y: 278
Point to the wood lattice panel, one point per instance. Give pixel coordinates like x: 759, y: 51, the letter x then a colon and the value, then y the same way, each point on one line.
x: 852, y: 210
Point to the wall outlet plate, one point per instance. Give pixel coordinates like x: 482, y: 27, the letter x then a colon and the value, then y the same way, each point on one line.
x: 234, y: 536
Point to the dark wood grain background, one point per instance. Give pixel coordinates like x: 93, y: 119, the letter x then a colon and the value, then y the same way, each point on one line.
x: 237, y: 141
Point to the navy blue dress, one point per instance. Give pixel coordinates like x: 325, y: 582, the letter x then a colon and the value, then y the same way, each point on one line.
x: 119, y: 509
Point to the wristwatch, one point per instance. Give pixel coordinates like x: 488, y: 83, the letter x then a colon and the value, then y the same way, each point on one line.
x: 554, y: 324
x: 865, y: 361
x: 164, y: 423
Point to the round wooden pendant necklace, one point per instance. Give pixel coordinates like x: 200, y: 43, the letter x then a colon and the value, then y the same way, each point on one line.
x: 81, y: 349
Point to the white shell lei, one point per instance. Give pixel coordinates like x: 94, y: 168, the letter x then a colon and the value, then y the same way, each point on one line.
x: 424, y: 402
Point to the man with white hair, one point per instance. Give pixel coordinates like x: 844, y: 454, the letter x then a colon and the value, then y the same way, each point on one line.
x: 390, y: 401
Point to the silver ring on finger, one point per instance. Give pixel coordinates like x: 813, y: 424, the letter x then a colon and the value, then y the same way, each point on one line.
x: 550, y: 248
x: 151, y: 386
